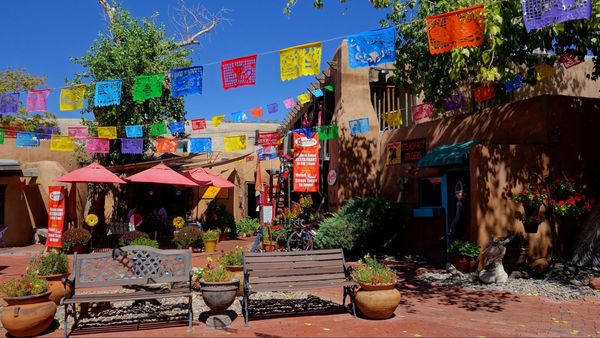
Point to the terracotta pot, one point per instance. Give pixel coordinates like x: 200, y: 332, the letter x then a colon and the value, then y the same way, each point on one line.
x: 210, y: 245
x: 219, y: 296
x: 56, y: 287
x: 78, y: 249
x: 29, y: 316
x: 238, y: 272
x: 377, y: 301
x: 464, y: 264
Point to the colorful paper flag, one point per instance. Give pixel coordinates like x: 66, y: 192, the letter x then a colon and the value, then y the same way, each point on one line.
x: 166, y: 145
x: 97, y: 145
x: 569, y: 60
x: 132, y: 145
x: 44, y: 133
x: 36, y: 101
x: 148, y: 86
x: 422, y: 112
x: 289, y: 103
x: 328, y: 132
x: 71, y: 97
x: 329, y: 87
x: 257, y: 112
x: 198, y: 124
x: 372, y: 48
x: 544, y: 71
x: 514, y: 84
x: 268, y: 139
x: 1, y: 136
x: 272, y: 108
x: 455, y: 101
x: 238, y: 117
x: 107, y: 132
x: 27, y: 139
x: 9, y: 103
x: 303, y: 98
x: 201, y: 145
x: 185, y: 81
x: 542, y: 13
x: 158, y: 129
x: 484, y: 93
x: 393, y: 119
x: 108, y: 93
x: 461, y: 28
x: 239, y: 72
x: 317, y: 92
x: 78, y: 132
x: 134, y: 131
x: 233, y: 143
x: 300, y: 61
x: 62, y: 143
x: 177, y: 127
x: 359, y: 126
x: 217, y: 119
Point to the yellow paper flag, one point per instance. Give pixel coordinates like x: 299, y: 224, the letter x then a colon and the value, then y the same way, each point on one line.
x: 211, y: 192
x: 71, y: 97
x: 217, y: 120
x: 62, y: 143
x: 300, y: 60
x: 303, y: 98
x: 107, y: 132
x: 393, y: 119
x: 544, y: 71
x: 233, y: 143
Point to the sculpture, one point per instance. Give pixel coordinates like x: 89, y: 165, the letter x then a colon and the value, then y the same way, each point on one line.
x: 493, y: 271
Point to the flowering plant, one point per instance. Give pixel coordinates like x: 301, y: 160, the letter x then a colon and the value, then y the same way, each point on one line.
x: 187, y: 236
x: 306, y: 201
x: 130, y: 236
x: 370, y: 271
x: 213, y: 273
x: 565, y: 200
x: 533, y: 194
x: 50, y: 263
x: 235, y: 257
x: 74, y: 237
x: 291, y: 213
x: 27, y: 285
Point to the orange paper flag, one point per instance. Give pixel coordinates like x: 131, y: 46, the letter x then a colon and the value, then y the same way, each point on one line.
x: 166, y: 145
x: 461, y: 28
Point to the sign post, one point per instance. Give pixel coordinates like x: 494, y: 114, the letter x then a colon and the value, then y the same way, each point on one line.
x: 56, y: 216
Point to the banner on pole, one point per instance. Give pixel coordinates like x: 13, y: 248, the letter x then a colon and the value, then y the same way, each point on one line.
x: 56, y: 216
x: 306, y: 163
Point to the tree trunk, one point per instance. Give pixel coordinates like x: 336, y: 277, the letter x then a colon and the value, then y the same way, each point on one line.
x: 587, y: 246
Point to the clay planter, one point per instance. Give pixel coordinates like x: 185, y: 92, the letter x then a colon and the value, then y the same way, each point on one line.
x: 218, y: 297
x: 238, y: 272
x: 464, y: 264
x: 377, y: 301
x: 78, y: 249
x: 210, y: 245
x: 28, y: 316
x: 56, y: 287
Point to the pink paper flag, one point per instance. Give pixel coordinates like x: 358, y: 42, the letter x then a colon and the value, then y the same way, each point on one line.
x: 239, y: 72
x: 79, y: 132
x: 36, y: 101
x: 97, y: 145
x: 289, y: 103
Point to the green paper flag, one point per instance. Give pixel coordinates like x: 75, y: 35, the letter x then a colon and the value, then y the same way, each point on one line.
x: 329, y: 87
x: 148, y: 86
x: 1, y: 136
x: 158, y: 129
x: 329, y: 132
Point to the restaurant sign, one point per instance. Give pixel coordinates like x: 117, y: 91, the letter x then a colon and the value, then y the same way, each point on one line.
x: 413, y: 150
x: 56, y: 216
x: 306, y: 163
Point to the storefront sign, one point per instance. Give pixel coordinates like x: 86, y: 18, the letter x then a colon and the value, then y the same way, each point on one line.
x: 393, y: 153
x: 213, y: 192
x: 56, y: 216
x: 306, y: 163
x: 413, y: 150
x: 268, y: 139
x: 332, y: 177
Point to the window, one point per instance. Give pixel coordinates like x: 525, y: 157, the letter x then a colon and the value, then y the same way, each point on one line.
x: 387, y: 99
x: 430, y: 192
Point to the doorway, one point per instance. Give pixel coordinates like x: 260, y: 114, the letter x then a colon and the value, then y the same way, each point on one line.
x: 458, y: 180
x: 251, y: 201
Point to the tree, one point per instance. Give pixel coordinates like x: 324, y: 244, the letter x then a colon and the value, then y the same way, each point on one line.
x: 131, y: 48
x: 18, y: 80
x: 506, y: 48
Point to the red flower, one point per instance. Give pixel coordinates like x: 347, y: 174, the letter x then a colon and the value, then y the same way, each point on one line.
x: 553, y: 201
x: 561, y: 203
x: 571, y: 202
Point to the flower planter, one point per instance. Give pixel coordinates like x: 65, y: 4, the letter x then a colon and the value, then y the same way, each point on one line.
x: 464, y: 264
x: 218, y: 296
x: 56, y: 287
x: 238, y: 272
x: 28, y: 316
x: 377, y: 301
x: 210, y: 245
x: 78, y: 249
x: 269, y: 247
x: 531, y: 227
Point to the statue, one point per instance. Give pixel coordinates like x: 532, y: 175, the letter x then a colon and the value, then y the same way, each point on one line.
x: 493, y: 271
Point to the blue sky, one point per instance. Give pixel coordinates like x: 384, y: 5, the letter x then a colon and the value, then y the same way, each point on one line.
x: 41, y: 36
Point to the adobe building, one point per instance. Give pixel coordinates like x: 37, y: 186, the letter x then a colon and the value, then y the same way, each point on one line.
x: 490, y: 148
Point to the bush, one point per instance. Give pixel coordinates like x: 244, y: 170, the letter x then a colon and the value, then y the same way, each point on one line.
x: 235, y: 257
x: 247, y: 225
x: 51, y: 263
x: 217, y: 217
x: 335, y: 232
x: 130, y: 236
x: 144, y: 241
x: 187, y: 237
x: 74, y: 237
x: 464, y: 249
x: 28, y: 285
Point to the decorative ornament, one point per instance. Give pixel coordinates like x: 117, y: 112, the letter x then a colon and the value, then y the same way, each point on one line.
x: 178, y: 222
x: 91, y: 220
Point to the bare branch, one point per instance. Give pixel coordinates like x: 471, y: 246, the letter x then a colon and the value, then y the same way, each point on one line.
x: 110, y: 11
x: 192, y: 39
x: 194, y: 21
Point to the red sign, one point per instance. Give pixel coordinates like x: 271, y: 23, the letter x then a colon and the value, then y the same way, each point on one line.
x: 268, y: 139
x: 306, y: 163
x: 413, y: 150
x: 422, y: 112
x: 198, y: 124
x: 56, y: 216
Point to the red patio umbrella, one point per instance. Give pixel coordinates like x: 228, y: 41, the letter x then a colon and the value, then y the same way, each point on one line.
x: 93, y: 173
x: 161, y: 174
x: 205, y: 177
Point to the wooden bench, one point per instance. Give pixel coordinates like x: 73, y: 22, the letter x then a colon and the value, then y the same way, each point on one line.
x: 296, y: 270
x: 129, y: 265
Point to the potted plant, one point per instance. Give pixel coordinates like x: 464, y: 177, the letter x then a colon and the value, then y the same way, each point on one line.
x: 233, y: 262
x: 187, y: 237
x: 218, y: 217
x: 219, y: 289
x: 52, y: 266
x: 463, y: 255
x: 210, y: 239
x: 247, y: 226
x: 145, y: 242
x: 75, y: 239
x: 130, y: 236
x: 29, y: 311
x: 377, y: 298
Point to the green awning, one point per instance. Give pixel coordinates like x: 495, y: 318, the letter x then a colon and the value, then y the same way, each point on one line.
x: 450, y: 154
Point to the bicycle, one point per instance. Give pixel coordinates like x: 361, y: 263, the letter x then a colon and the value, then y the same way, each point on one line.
x: 301, y: 237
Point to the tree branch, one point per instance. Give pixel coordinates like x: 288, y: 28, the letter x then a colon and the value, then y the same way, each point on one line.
x: 192, y: 39
x: 110, y: 11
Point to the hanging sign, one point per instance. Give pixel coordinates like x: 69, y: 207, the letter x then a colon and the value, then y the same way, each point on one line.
x: 393, y: 153
x: 268, y: 139
x: 332, y: 177
x: 56, y: 216
x: 306, y: 163
x: 413, y: 150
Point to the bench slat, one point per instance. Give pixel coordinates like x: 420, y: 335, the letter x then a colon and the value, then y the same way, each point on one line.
x: 285, y: 279
x: 295, y: 258
x: 301, y: 286
x: 292, y: 265
x: 292, y: 253
x: 296, y: 272
x: 126, y: 296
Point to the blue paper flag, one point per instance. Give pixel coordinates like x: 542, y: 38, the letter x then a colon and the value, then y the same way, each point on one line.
x: 359, y: 126
x: 308, y: 132
x: 26, y: 139
x: 201, y: 145
x: 317, y: 92
x: 9, y: 103
x: 134, y: 131
x: 132, y: 145
x: 372, y: 48
x: 108, y: 93
x: 272, y: 108
x: 177, y: 127
x: 45, y: 133
x: 512, y: 85
x: 186, y: 81
x: 239, y: 117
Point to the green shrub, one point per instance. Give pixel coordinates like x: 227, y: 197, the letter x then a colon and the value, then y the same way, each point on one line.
x: 247, y: 225
x: 233, y: 258
x: 215, y: 274
x: 211, y: 235
x: 334, y: 232
x: 464, y: 249
x: 217, y: 217
x: 130, y: 236
x: 51, y: 263
x: 370, y: 271
x: 27, y: 285
x: 145, y: 241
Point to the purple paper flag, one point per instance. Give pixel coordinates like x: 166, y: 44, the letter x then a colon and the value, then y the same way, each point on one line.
x: 9, y: 103
x: 289, y: 103
x: 132, y: 145
x: 272, y: 108
x: 453, y: 102
x: 36, y: 101
x: 45, y: 133
x: 541, y: 13
x: 97, y: 145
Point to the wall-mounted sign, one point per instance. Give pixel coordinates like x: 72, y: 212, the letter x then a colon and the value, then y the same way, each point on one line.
x: 413, y: 150
x: 393, y: 153
x: 211, y: 192
x: 332, y: 177
x: 306, y: 163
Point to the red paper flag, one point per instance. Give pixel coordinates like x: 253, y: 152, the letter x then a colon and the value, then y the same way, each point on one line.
x: 239, y: 72
x: 569, y: 60
x: 461, y: 28
x: 484, y: 93
x: 256, y: 112
x: 166, y: 145
x: 198, y: 124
